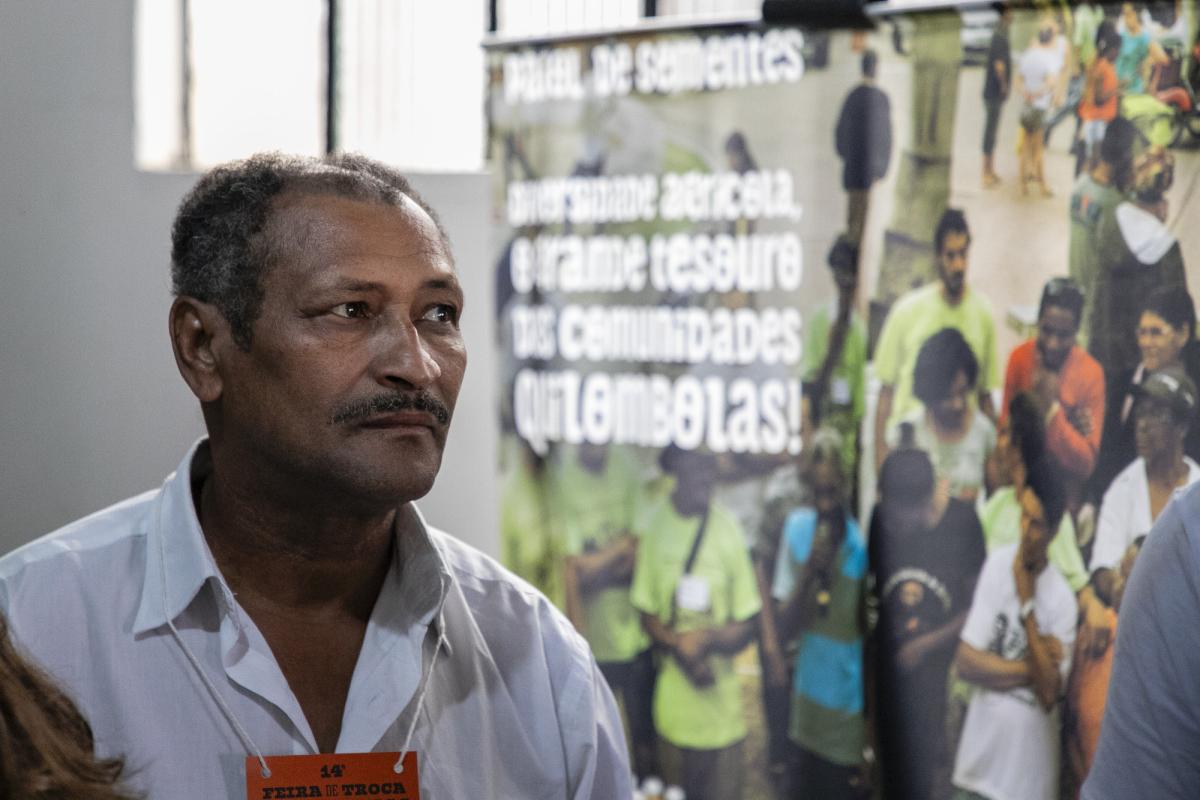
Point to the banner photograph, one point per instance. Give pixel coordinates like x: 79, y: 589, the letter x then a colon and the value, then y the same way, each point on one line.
x: 843, y: 374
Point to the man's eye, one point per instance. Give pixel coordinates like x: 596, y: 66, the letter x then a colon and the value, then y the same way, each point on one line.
x: 355, y: 310
x: 442, y: 312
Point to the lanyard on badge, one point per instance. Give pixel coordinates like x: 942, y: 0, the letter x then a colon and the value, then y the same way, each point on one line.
x: 242, y: 733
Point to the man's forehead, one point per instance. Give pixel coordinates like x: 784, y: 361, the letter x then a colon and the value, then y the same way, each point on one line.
x: 306, y: 222
x: 956, y: 240
x: 1055, y: 317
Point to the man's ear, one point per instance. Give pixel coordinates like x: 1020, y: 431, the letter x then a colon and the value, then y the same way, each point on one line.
x: 197, y: 329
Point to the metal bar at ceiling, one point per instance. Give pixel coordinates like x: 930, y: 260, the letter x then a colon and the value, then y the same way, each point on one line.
x: 331, y: 76
x: 185, y: 80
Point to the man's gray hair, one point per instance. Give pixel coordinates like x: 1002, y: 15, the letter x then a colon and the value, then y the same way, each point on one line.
x: 220, y: 241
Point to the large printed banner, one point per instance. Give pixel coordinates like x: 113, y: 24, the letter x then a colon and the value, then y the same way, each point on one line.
x: 824, y: 360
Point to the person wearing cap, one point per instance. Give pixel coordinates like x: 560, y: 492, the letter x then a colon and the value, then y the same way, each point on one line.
x: 1165, y: 409
x: 1066, y: 383
x: 1166, y: 337
x: 1150, y: 739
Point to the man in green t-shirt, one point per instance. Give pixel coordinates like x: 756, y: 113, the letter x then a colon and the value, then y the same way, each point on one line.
x: 916, y: 316
x: 596, y: 490
x: 694, y: 585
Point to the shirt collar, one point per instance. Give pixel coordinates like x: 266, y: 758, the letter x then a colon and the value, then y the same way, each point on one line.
x: 176, y: 548
x: 425, y: 578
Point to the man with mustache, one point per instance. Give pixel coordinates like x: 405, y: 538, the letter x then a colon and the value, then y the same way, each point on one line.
x: 280, y: 599
x: 945, y: 303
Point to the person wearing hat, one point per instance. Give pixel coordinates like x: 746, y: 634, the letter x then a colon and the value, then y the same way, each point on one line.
x: 1150, y: 735
x: 1165, y: 408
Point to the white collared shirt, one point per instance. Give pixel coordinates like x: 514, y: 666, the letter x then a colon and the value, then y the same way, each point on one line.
x: 515, y: 708
x: 1125, y: 512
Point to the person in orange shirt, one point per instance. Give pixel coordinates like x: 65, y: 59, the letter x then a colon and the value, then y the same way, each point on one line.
x: 1098, y: 107
x: 1066, y: 382
x: 1087, y: 688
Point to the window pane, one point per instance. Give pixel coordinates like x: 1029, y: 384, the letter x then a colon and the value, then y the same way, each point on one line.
x: 258, y: 78
x: 410, y: 82
x: 158, y: 85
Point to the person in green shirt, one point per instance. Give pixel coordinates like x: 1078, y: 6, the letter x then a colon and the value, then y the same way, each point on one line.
x: 694, y: 586
x: 835, y: 363
x: 595, y: 493
x: 529, y: 544
x: 1020, y: 439
x: 948, y: 303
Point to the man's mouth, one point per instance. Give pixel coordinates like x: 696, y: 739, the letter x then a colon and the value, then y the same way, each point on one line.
x: 418, y: 408
x: 401, y: 419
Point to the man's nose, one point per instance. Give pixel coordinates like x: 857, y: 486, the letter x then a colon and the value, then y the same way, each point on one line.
x: 404, y: 357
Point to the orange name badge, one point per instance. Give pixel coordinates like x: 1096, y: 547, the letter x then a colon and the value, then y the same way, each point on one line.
x: 367, y: 775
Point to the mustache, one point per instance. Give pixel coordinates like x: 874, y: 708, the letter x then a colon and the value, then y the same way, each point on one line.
x: 420, y: 400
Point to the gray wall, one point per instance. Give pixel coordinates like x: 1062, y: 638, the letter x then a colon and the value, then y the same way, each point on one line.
x: 92, y: 407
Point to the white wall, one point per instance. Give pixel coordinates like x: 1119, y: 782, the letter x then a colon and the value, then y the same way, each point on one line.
x: 91, y: 407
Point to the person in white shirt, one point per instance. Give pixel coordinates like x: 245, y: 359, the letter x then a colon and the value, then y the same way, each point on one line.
x: 1038, y: 72
x: 280, y: 599
x: 958, y: 437
x: 1015, y: 648
x: 1165, y: 409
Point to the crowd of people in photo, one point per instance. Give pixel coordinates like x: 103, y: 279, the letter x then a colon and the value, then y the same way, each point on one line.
x: 957, y: 642
x: 1001, y: 538
x: 961, y: 640
x: 1092, y: 63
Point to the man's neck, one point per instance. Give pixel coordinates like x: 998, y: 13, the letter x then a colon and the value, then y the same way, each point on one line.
x: 1039, y: 564
x: 950, y: 428
x: 1057, y: 370
x: 290, y: 560
x: 953, y: 299
x: 1166, y: 469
